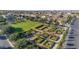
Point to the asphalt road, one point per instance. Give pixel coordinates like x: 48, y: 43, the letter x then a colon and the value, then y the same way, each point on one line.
x: 76, y: 32
x: 4, y: 43
x: 72, y: 40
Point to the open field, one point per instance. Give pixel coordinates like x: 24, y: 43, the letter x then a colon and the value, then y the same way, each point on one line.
x: 25, y: 26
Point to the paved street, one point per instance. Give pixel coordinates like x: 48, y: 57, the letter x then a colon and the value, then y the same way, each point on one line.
x: 76, y: 32
x: 72, y: 40
x: 4, y: 43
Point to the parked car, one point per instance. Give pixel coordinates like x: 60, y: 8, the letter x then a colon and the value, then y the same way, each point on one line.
x: 70, y: 40
x: 71, y: 32
x: 70, y: 44
x: 71, y: 37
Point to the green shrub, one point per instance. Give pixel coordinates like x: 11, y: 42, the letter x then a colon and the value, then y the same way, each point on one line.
x: 63, y: 39
x: 21, y: 43
x: 13, y: 37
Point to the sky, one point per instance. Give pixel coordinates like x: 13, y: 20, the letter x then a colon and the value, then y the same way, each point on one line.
x: 39, y: 4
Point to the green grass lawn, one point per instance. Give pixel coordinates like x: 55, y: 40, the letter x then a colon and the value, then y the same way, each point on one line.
x: 25, y: 26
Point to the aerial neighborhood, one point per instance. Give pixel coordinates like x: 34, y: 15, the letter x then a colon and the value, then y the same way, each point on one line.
x: 34, y: 29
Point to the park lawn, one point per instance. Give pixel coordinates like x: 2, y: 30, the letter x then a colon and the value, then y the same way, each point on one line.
x: 25, y: 26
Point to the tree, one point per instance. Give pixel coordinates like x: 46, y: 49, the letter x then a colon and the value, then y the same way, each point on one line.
x: 8, y: 29
x: 4, y: 29
x: 69, y: 18
x: 13, y: 37
x: 2, y: 20
x: 32, y: 46
x: 21, y: 43
x: 29, y: 32
x: 53, y: 27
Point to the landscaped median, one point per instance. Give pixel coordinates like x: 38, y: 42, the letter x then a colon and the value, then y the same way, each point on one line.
x: 59, y: 45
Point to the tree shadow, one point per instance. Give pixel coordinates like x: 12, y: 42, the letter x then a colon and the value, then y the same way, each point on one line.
x: 2, y: 38
x: 18, y: 29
